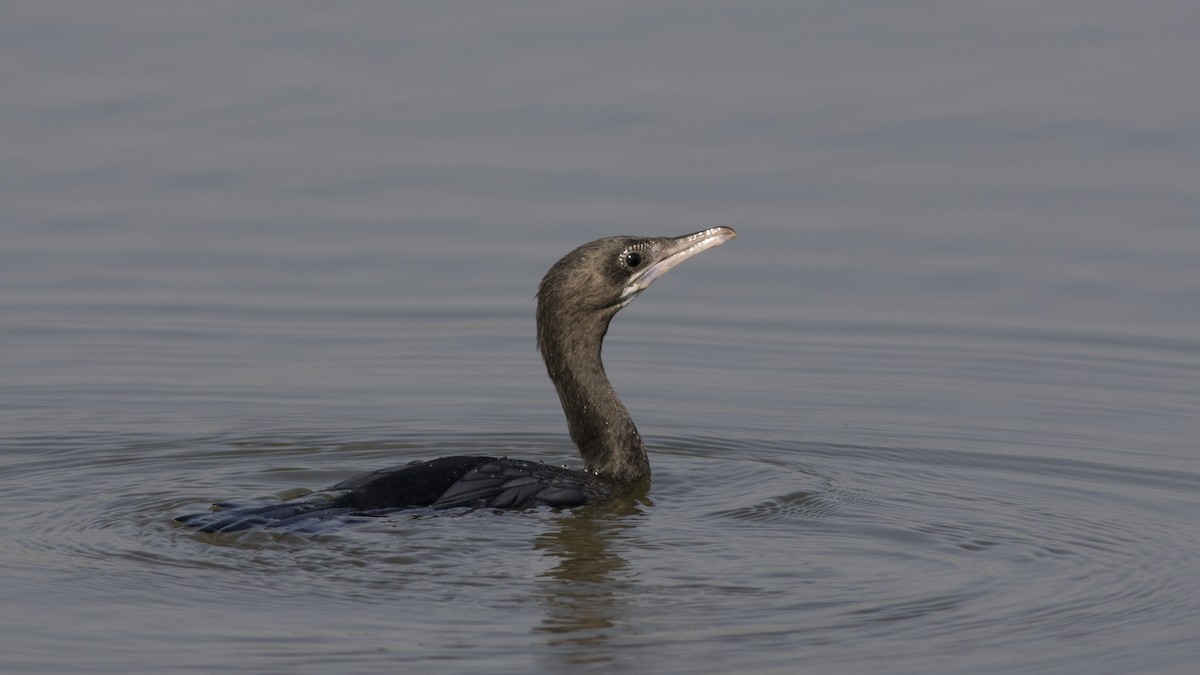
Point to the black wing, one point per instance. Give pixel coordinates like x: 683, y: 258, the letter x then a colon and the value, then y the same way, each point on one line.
x: 516, y: 484
x: 447, y: 482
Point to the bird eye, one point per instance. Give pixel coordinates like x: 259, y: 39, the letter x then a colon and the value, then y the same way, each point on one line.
x: 633, y: 259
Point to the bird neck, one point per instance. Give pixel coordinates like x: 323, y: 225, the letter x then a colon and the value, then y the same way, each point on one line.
x: 599, y: 423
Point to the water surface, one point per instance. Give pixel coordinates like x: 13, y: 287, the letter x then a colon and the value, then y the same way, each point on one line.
x: 934, y: 410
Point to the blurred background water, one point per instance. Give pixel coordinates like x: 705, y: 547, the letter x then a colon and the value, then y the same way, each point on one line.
x: 935, y: 409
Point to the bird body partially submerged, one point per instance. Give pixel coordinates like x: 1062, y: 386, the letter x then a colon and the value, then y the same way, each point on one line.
x: 576, y: 301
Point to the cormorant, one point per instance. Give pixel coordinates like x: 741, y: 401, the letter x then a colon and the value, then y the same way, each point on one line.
x: 575, y: 302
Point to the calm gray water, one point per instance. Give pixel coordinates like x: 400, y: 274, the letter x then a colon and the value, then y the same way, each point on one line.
x: 935, y: 409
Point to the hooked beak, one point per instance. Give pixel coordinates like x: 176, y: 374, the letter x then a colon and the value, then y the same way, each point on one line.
x: 673, y: 251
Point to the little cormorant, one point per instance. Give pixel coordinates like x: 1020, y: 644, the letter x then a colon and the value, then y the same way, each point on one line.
x: 575, y: 302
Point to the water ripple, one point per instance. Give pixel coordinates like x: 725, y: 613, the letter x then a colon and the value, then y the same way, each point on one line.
x: 990, y: 549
